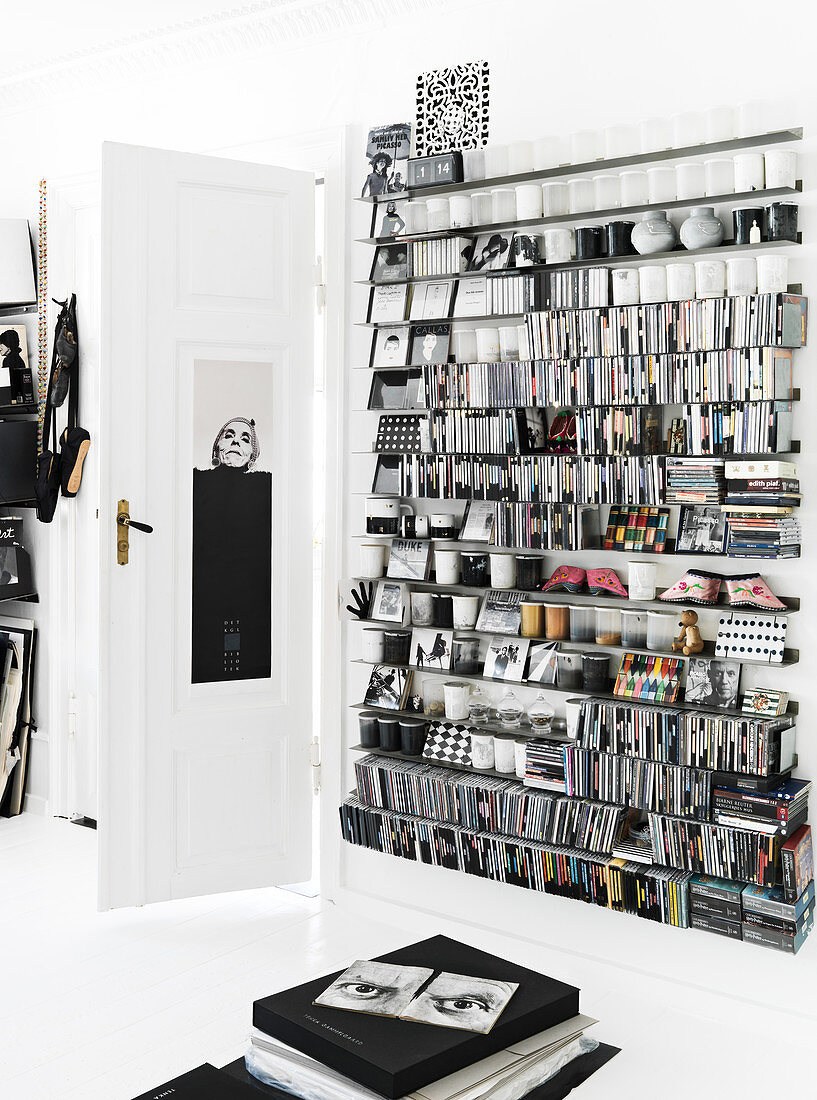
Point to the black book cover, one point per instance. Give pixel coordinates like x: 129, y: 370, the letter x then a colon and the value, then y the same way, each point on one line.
x: 204, y: 1083
x: 394, y: 1057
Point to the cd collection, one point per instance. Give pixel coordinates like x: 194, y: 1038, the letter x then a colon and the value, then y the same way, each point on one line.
x: 446, y: 256
x: 762, y: 536
x: 582, y: 289
x: 489, y: 431
x: 545, y: 526
x: 655, y: 893
x: 618, y: 431
x: 756, y: 746
x: 735, y: 374
x: 642, y: 784
x: 703, y: 324
x: 487, y: 804
x: 569, y: 479
x: 691, y: 481
x: 714, y: 849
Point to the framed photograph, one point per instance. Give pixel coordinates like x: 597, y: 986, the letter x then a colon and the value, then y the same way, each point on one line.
x: 390, y: 347
x: 377, y: 988
x: 505, y: 659
x: 409, y: 559
x: 390, y: 263
x: 542, y: 668
x: 701, y: 530
x: 388, y: 303
x: 431, y: 647
x: 454, y: 1000
x: 397, y: 389
x: 389, y: 218
x: 430, y: 301
x: 389, y: 687
x: 388, y: 602
x: 492, y: 252
x: 429, y: 344
x: 713, y: 683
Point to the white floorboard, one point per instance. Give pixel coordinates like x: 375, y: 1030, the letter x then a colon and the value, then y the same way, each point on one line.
x: 104, y: 1006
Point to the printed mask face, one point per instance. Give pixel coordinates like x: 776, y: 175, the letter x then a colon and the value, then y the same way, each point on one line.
x: 454, y: 1000
x: 234, y: 447
x: 382, y: 989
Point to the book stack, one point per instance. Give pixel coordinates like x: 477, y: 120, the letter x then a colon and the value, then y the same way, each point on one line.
x: 545, y: 765
x: 760, y: 501
x: 694, y: 481
x: 777, y: 812
x: 715, y: 905
x: 636, y: 530
x: 771, y: 921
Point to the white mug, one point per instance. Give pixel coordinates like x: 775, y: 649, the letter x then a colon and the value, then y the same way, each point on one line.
x: 652, y: 283
x: 741, y: 275
x: 447, y: 566
x: 690, y: 180
x: 528, y: 201
x: 383, y: 515
x: 465, y: 609
x: 460, y: 209
x: 625, y: 286
x: 503, y: 570
x: 372, y: 560
x: 481, y: 210
x: 710, y: 278
x: 749, y: 172
x: 487, y: 345
x: 680, y: 284
x: 781, y: 168
x: 374, y: 641
x: 443, y: 525
x: 772, y: 274
x: 554, y: 199
x: 456, y: 699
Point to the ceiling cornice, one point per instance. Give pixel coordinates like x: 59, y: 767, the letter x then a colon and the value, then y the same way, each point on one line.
x: 265, y: 24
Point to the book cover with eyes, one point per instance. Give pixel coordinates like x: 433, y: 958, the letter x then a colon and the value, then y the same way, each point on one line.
x: 394, y: 1055
x: 380, y: 989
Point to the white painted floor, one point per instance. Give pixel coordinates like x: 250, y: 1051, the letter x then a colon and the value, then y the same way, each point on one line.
x: 104, y: 1006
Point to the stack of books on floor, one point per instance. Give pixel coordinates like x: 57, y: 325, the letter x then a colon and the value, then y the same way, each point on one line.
x: 760, y: 501
x: 694, y: 481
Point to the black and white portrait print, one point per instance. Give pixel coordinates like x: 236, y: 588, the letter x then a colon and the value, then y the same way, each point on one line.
x: 232, y: 522
x: 431, y: 648
x: 390, y: 347
x: 388, y: 602
x: 389, y: 222
x: 492, y: 252
x: 701, y: 530
x: 429, y: 344
x: 455, y: 1000
x: 387, y: 687
x: 712, y: 683
x: 380, y: 989
x: 452, y: 109
x: 505, y: 659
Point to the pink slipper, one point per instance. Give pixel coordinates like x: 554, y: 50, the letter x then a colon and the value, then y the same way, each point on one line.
x: 604, y: 582
x: 566, y: 578
x: 696, y: 586
x: 752, y: 591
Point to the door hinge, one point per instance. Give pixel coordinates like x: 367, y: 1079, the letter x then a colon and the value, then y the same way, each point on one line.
x: 320, y: 286
x: 315, y: 761
x: 72, y: 715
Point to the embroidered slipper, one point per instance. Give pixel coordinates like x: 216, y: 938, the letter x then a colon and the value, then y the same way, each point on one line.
x: 751, y: 590
x: 605, y: 582
x: 696, y: 586
x: 566, y: 578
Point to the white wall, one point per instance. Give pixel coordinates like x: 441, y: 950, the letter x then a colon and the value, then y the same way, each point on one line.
x: 553, y: 68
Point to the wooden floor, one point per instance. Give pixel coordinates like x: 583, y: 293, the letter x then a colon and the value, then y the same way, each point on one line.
x: 104, y: 1006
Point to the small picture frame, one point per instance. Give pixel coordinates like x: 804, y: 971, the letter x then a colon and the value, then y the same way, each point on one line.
x: 390, y: 347
x: 388, y: 602
x: 429, y: 344
x: 390, y: 263
x: 713, y: 683
x: 701, y: 530
x: 492, y: 252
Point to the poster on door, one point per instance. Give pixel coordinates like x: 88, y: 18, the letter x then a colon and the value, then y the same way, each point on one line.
x: 232, y: 521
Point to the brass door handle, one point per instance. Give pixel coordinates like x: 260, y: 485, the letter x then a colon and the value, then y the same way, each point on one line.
x: 123, y: 525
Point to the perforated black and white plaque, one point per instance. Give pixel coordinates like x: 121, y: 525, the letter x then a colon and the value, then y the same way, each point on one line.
x: 752, y: 637
x: 452, y: 109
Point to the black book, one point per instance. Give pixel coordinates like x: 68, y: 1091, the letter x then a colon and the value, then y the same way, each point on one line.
x: 204, y: 1083
x: 761, y: 784
x: 394, y: 1057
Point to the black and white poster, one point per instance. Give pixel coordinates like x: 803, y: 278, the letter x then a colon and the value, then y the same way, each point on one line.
x: 492, y: 252
x: 712, y: 683
x: 701, y: 530
x: 232, y: 521
x: 390, y: 347
x: 431, y: 648
x: 429, y: 344
x: 387, y: 153
x: 505, y: 659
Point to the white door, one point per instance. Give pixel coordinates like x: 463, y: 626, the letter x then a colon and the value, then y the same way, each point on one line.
x: 205, y: 635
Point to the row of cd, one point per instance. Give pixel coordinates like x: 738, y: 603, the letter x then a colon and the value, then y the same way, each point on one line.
x: 643, y: 784
x: 718, y: 850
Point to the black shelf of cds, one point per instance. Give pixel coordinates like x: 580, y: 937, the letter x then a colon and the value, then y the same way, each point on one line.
x: 569, y: 265
x: 728, y: 456
x: 730, y: 198
x: 566, y: 598
x: 774, y: 137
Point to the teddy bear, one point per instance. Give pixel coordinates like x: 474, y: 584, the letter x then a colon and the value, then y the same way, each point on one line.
x: 689, y: 640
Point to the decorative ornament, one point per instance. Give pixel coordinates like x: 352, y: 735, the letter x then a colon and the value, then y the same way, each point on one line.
x: 689, y: 640
x: 452, y: 109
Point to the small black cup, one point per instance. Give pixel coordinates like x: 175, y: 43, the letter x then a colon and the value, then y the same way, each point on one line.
x: 781, y: 221
x: 744, y: 218
x: 528, y: 572
x: 389, y: 733
x: 442, y: 609
x: 589, y: 242
x: 594, y: 671
x: 474, y: 569
x: 396, y: 645
x: 369, y: 729
x: 412, y: 736
x: 619, y: 238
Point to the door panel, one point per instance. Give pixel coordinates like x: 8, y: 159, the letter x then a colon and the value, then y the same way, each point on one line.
x: 207, y: 375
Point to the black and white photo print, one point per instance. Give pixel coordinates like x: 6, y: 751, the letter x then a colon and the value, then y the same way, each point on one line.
x: 380, y: 989
x: 390, y: 263
x: 455, y: 1000
x: 492, y: 252
x: 712, y: 683
x: 429, y: 344
x: 388, y: 685
x: 431, y: 648
x: 409, y: 559
x: 701, y: 530
x: 233, y: 410
x: 388, y: 602
x: 505, y: 659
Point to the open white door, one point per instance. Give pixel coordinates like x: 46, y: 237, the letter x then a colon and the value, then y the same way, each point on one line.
x: 205, y: 635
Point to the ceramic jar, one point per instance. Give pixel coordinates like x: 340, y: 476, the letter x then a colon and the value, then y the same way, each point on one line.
x: 701, y: 229
x: 654, y: 233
